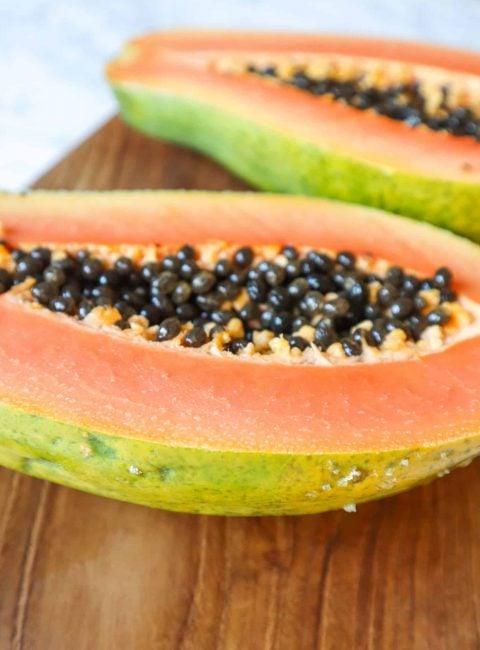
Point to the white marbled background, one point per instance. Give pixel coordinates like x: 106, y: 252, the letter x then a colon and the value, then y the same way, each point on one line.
x: 52, y: 89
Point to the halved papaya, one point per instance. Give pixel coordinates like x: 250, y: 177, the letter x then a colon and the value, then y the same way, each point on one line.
x: 388, y: 124
x: 375, y: 387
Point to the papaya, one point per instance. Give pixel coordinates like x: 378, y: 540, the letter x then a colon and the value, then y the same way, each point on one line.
x: 239, y: 354
x: 388, y: 124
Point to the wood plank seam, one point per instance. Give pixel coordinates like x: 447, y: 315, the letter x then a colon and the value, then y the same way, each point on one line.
x: 7, y: 512
x: 29, y: 563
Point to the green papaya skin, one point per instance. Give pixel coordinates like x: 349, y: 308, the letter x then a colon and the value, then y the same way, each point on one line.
x: 273, y: 161
x: 210, y: 481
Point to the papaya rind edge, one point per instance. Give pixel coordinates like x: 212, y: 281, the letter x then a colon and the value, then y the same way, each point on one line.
x: 211, y: 481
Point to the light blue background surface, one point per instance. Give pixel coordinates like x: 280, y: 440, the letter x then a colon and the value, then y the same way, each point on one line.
x: 53, y: 92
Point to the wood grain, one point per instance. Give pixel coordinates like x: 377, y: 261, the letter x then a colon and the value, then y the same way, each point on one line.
x: 78, y: 572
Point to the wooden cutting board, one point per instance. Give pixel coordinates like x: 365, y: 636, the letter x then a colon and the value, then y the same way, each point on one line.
x: 78, y: 572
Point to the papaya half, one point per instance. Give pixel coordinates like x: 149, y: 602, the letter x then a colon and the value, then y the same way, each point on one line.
x: 389, y: 124
x: 234, y: 353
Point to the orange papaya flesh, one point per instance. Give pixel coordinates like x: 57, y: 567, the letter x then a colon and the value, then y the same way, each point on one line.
x: 278, y: 137
x: 177, y: 429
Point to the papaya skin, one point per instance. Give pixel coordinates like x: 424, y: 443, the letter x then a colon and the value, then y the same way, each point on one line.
x: 277, y: 162
x: 209, y: 481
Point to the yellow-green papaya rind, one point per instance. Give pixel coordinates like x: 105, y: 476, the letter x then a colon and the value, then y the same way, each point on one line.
x: 214, y: 481
x: 271, y: 160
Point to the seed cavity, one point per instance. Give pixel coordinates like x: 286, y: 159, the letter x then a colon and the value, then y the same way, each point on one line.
x: 293, y: 303
x: 414, y: 95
